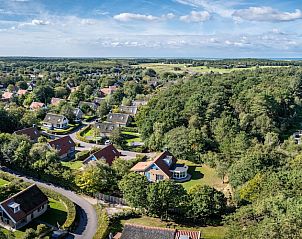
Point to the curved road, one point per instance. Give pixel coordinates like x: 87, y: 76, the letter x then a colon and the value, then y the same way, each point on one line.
x: 88, y: 218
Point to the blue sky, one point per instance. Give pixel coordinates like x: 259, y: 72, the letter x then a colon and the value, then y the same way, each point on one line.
x: 151, y: 28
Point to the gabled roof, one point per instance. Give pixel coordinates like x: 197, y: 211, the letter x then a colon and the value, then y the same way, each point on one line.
x: 128, y: 109
x: 118, y: 118
x: 29, y: 200
x: 7, y: 95
x: 132, y: 231
x: 54, y: 118
x: 109, y: 153
x: 55, y: 101
x: 63, y: 145
x: 21, y: 92
x: 32, y: 132
x: 158, y: 161
x: 90, y: 104
x: 109, y: 90
x: 106, y: 127
x: 36, y: 105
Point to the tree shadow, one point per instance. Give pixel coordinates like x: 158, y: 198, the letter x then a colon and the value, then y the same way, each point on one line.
x: 194, y: 173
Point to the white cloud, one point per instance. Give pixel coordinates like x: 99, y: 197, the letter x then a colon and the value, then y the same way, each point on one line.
x: 267, y: 14
x: 34, y: 22
x: 220, y: 7
x: 126, y: 16
x: 196, y: 17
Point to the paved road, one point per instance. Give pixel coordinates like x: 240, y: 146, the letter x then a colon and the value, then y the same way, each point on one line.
x: 88, y: 218
x: 87, y: 146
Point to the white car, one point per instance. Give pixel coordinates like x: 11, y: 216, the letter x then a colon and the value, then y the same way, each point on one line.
x: 107, y: 142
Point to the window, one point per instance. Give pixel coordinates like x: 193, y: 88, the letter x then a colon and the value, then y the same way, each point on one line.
x: 159, y: 177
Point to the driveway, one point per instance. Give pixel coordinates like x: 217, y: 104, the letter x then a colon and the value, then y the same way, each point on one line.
x: 88, y: 220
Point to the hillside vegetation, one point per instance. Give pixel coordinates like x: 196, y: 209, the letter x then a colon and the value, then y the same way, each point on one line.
x: 239, y: 123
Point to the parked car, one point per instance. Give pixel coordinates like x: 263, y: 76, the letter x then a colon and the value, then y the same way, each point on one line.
x: 107, y: 142
x: 59, y: 234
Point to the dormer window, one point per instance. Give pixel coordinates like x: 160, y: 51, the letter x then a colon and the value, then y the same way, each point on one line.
x: 14, y: 206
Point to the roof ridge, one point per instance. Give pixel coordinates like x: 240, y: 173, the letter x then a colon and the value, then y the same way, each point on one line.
x: 149, y: 227
x: 18, y: 193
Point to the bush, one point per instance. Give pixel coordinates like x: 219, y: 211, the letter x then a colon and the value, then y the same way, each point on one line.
x: 80, y: 156
x: 125, y: 215
x: 103, y: 224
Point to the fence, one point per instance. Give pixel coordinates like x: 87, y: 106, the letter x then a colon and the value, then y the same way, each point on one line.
x: 111, y: 199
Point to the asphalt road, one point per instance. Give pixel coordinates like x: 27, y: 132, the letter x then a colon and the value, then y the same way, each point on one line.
x: 87, y: 146
x: 88, y: 220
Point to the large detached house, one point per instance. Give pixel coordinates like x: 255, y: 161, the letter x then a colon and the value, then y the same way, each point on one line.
x: 21, y: 208
x: 105, y: 128
x: 119, y: 119
x: 134, y: 231
x: 108, y: 154
x: 163, y: 167
x: 65, y: 147
x: 131, y: 110
x: 32, y: 132
x: 55, y: 121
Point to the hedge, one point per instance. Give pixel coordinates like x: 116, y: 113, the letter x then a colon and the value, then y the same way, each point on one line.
x: 71, y: 209
x: 103, y: 224
x: 129, y: 129
x: 80, y: 133
x: 61, y: 131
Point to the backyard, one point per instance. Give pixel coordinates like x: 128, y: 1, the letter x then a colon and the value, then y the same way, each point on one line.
x: 202, y: 175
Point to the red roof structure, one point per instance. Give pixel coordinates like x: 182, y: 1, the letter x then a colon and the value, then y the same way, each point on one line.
x: 109, y: 153
x: 63, y: 145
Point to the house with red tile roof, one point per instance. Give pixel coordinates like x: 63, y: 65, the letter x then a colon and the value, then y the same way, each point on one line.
x: 7, y: 96
x: 21, y: 92
x: 55, y: 101
x: 108, y: 154
x: 163, y: 167
x: 134, y: 231
x: 65, y: 147
x: 107, y: 91
x: 21, y: 208
x: 36, y: 105
x: 32, y: 132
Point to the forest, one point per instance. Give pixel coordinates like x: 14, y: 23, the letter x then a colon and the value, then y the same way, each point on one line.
x: 241, y: 124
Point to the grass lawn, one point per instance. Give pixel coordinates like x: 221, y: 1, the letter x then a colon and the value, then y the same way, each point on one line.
x: 208, y: 232
x: 131, y: 137
x: 56, y: 213
x: 3, y: 182
x: 73, y: 164
x: 202, y: 175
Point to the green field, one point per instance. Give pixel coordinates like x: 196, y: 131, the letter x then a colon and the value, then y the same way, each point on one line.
x: 161, y: 68
x: 73, y: 164
x: 202, y: 175
x: 131, y: 137
x: 209, y: 232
